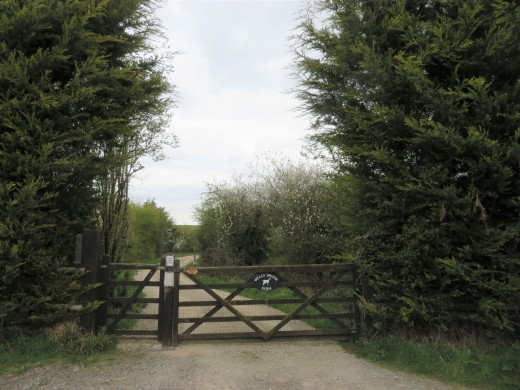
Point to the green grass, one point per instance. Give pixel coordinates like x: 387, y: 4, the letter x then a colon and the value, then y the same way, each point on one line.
x: 148, y: 261
x: 476, y: 365
x: 24, y: 352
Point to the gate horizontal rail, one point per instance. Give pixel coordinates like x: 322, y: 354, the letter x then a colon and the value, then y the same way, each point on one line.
x: 246, y: 285
x: 281, y: 334
x: 264, y: 318
x: 268, y: 301
x: 279, y: 268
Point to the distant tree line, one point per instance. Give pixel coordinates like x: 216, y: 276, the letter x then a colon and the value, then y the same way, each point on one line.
x: 151, y: 232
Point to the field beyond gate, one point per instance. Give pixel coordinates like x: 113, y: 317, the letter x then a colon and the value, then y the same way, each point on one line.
x: 264, y: 301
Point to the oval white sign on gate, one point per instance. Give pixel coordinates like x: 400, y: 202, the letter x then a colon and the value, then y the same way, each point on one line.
x: 267, y: 281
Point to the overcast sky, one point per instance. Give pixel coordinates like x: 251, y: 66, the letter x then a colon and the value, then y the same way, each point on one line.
x: 232, y: 78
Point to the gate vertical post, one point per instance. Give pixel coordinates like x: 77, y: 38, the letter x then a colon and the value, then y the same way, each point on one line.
x: 357, y: 310
x: 103, y: 292
x: 160, y: 324
x: 176, y: 295
x: 91, y: 248
x: 167, y: 315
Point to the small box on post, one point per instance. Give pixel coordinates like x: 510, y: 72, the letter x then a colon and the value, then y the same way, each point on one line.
x: 168, y: 277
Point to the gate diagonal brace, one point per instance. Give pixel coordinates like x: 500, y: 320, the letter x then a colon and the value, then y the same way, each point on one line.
x: 320, y: 308
x: 131, y: 300
x: 306, y: 303
x: 210, y: 313
x: 228, y: 306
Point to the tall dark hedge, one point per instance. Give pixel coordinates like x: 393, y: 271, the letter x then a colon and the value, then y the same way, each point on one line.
x: 418, y: 103
x: 72, y: 88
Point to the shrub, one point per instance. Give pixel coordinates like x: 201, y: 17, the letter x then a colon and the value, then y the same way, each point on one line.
x: 72, y: 339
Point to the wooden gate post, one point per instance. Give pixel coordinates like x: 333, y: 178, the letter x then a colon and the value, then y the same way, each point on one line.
x: 167, y: 312
x: 176, y: 295
x: 103, y: 292
x: 91, y: 257
x: 357, y: 309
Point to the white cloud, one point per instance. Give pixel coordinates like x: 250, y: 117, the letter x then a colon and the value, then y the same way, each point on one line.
x: 231, y: 78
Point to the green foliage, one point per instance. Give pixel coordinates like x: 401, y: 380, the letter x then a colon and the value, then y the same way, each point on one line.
x: 71, y: 339
x: 186, y: 239
x: 213, y: 248
x: 22, y: 352
x: 140, y: 96
x: 284, y: 212
x: 82, y: 98
x: 417, y: 103
x: 31, y: 288
x: 300, y: 205
x: 469, y: 364
x: 233, y: 228
x: 151, y: 232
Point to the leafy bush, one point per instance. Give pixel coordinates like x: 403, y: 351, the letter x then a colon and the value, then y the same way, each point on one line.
x: 186, y: 238
x: 151, y: 232
x: 233, y: 228
x: 284, y: 211
x: 70, y: 338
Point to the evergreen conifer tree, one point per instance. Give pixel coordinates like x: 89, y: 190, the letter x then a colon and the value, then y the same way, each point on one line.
x: 76, y: 91
x: 418, y: 102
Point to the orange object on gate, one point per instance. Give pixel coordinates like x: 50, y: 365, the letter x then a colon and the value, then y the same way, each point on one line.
x: 192, y: 271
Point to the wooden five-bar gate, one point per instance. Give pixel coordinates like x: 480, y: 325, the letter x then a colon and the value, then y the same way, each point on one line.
x: 264, y: 301
x: 187, y: 303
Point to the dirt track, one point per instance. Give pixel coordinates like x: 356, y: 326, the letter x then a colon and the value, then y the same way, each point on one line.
x: 286, y: 364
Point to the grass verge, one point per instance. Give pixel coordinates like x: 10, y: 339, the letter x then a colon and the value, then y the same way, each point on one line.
x: 474, y: 365
x: 65, y: 344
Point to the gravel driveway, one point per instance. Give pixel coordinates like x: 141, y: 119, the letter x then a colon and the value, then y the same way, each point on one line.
x: 253, y: 365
